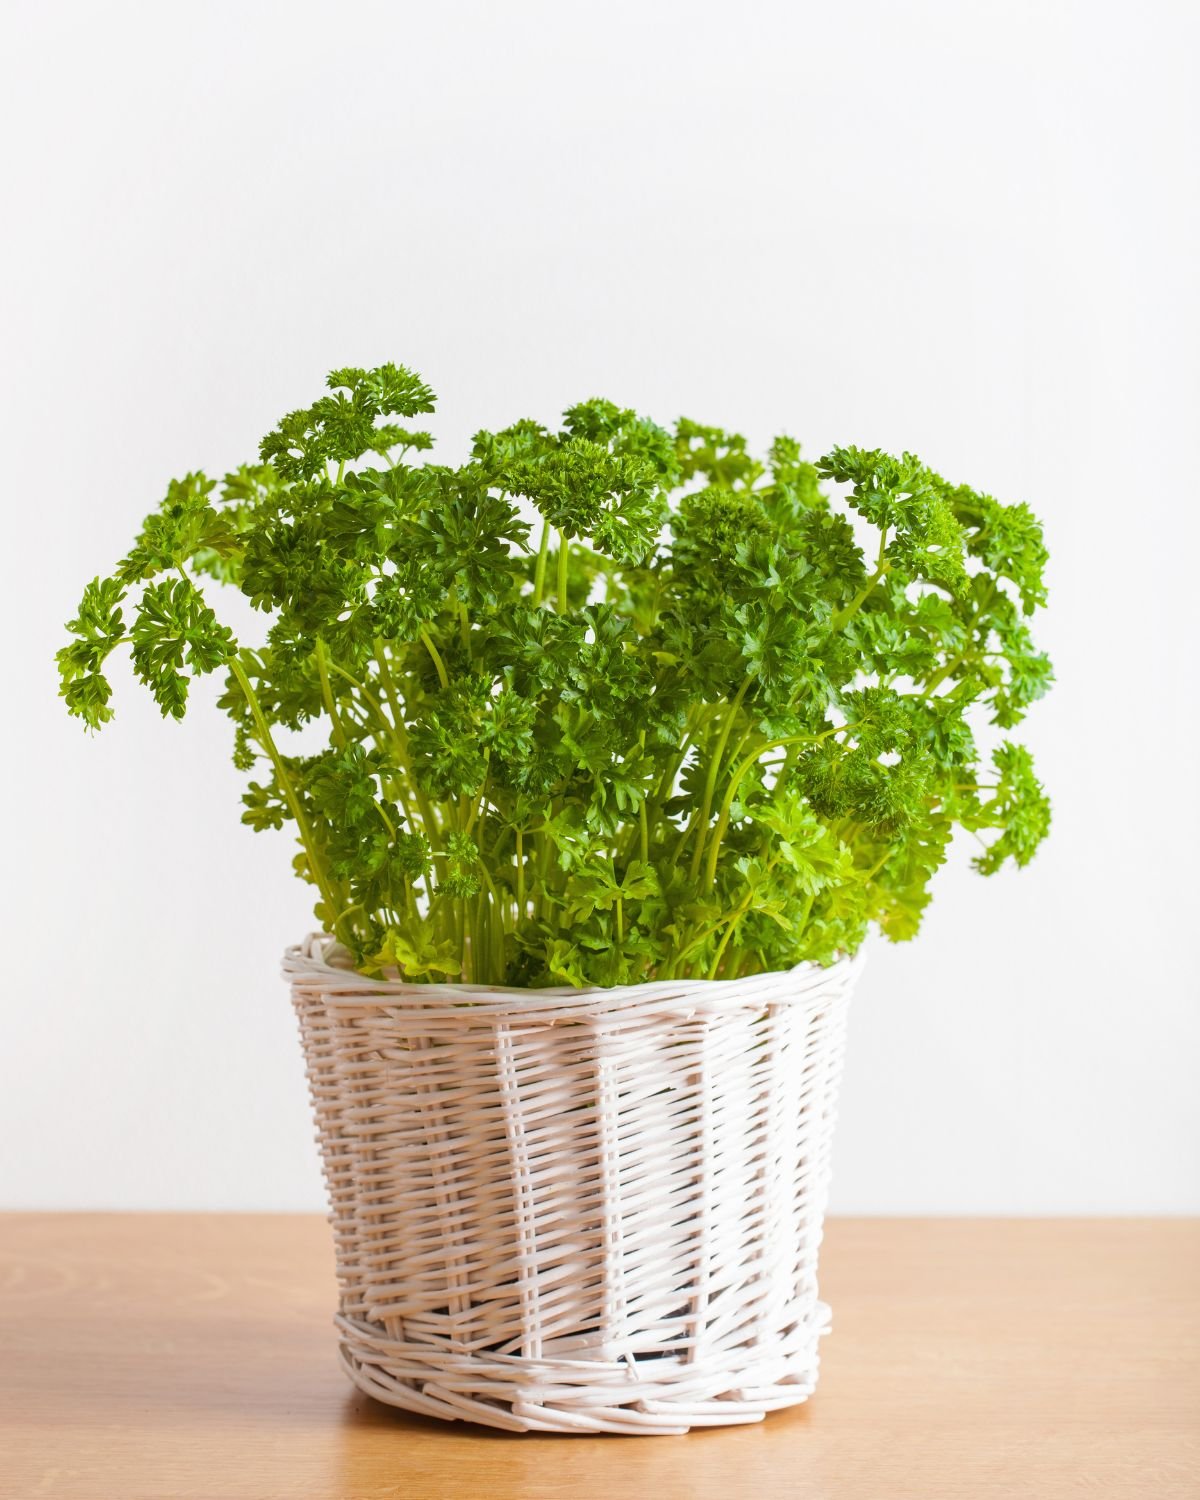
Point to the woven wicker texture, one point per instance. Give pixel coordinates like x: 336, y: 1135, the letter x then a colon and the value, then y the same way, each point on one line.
x: 577, y: 1211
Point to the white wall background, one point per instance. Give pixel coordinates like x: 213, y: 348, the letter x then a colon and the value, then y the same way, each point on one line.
x: 969, y: 230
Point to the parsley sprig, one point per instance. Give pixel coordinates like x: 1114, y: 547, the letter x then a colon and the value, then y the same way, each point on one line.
x: 683, y: 725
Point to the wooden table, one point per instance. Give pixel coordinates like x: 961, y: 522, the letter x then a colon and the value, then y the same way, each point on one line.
x: 148, y: 1357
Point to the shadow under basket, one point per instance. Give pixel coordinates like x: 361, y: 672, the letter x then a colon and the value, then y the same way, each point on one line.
x: 577, y: 1210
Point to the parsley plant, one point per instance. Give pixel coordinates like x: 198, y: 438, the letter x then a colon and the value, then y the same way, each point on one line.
x: 681, y: 726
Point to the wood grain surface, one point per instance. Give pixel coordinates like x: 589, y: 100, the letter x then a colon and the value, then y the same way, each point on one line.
x: 149, y: 1357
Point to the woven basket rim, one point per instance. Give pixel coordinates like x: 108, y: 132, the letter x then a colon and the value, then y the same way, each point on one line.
x: 308, y: 961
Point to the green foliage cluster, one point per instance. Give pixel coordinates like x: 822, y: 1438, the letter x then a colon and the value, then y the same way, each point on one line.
x: 683, y: 727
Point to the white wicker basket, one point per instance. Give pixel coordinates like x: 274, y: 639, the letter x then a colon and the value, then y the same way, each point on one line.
x: 577, y: 1211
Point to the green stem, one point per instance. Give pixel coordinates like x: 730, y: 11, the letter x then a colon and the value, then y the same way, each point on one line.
x: 667, y: 782
x: 681, y: 842
x: 494, y: 923
x: 539, y: 571
x: 882, y: 566
x: 564, y: 549
x: 739, y: 775
x: 389, y: 685
x: 399, y: 740
x: 643, y: 819
x: 738, y: 913
x: 714, y: 770
x: 728, y: 933
x: 399, y: 735
x: 339, y: 733
x: 460, y: 926
x: 368, y: 696
x: 427, y: 642
x: 478, y: 807
x: 541, y: 865
x: 328, y: 891
x: 714, y: 846
x: 697, y: 938
x: 805, y: 913
x: 940, y: 676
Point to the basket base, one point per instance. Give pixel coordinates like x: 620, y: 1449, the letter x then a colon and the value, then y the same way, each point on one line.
x: 659, y: 1398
